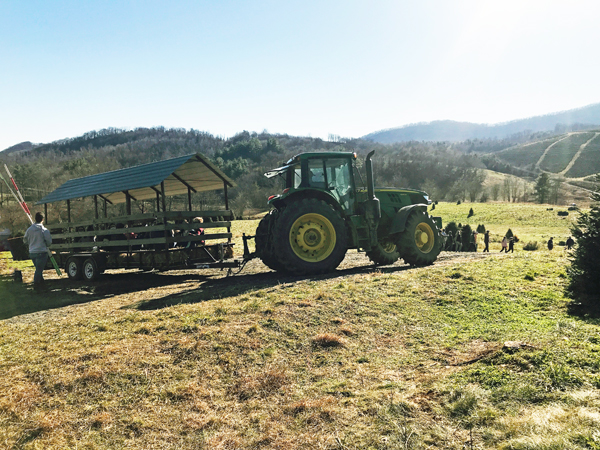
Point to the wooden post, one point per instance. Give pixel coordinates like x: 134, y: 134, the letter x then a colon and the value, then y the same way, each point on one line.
x: 227, y: 207
x: 128, y: 203
x: 164, y: 208
x: 69, y: 211
x: 157, y: 202
x: 189, y: 199
x: 105, y: 211
x: 96, y: 207
x: 46, y: 212
x: 164, y: 197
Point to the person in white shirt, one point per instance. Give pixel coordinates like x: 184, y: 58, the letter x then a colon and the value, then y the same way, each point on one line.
x: 38, y: 238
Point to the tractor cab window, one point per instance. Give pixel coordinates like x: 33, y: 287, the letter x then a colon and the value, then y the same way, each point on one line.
x: 339, y: 182
x: 294, y: 177
x: 316, y: 174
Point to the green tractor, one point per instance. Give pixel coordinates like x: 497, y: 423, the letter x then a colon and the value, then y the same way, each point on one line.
x: 322, y: 213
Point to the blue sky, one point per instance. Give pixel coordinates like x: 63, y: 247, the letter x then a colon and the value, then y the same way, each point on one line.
x: 298, y: 67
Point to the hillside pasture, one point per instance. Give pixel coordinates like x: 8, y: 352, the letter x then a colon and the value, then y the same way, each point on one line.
x: 524, y: 155
x: 588, y: 162
x: 476, y: 351
x: 558, y: 157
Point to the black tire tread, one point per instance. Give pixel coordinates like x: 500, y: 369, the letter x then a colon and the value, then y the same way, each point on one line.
x: 406, y: 242
x: 289, y: 260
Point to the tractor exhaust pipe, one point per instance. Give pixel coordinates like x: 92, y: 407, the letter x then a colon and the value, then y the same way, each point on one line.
x: 370, y: 181
x: 372, y: 206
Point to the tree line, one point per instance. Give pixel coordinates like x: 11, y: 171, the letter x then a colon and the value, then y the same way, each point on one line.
x: 444, y: 172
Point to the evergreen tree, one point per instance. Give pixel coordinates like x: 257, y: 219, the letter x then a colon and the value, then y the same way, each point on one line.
x: 542, y: 188
x: 584, y: 273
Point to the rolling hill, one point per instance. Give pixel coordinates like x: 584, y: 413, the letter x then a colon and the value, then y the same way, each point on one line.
x: 448, y: 130
x: 572, y: 155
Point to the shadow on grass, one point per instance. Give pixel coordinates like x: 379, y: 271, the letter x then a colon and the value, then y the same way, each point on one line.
x: 20, y: 298
x: 218, y: 288
x: 588, y: 310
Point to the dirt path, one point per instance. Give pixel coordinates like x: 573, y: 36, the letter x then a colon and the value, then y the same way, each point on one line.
x: 119, y: 289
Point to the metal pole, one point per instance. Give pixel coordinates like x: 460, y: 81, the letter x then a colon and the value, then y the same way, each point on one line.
x: 46, y: 213
x: 96, y: 206
x: 189, y: 199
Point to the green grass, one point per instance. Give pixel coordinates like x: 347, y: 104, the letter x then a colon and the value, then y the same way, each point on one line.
x: 530, y: 222
x: 360, y: 359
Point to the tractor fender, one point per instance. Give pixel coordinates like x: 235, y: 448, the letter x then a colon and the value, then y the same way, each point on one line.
x: 399, y: 221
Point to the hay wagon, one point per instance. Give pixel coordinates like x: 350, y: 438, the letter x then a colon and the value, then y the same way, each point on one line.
x: 162, y: 239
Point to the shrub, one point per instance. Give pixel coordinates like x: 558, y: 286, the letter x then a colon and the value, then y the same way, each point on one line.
x: 584, y: 282
x: 452, y: 227
x: 509, y: 233
x: 481, y: 228
x: 531, y: 246
x: 466, y: 236
x: 471, y: 213
x: 563, y: 213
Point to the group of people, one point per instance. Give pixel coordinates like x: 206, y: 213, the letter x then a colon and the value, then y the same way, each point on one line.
x: 454, y: 243
x: 508, y: 244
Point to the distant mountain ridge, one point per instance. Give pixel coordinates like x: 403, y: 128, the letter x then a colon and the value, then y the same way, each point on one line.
x: 449, y: 130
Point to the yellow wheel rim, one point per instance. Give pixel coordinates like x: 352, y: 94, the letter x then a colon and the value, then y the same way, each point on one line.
x: 388, y: 247
x: 424, y: 237
x: 312, y: 237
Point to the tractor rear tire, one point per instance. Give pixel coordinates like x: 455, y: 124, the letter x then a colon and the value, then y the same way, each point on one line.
x: 310, y: 237
x: 385, y: 253
x: 264, y: 241
x: 420, y: 243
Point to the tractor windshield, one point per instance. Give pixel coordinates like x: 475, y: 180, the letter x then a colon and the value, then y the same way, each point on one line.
x: 333, y: 175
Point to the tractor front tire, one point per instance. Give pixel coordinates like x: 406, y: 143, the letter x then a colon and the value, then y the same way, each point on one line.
x: 385, y: 253
x: 264, y: 241
x: 310, y: 237
x: 420, y: 243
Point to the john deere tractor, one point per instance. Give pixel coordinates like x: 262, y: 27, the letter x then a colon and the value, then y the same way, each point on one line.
x: 322, y: 213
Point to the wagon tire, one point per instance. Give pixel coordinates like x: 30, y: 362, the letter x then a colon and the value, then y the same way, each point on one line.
x: 73, y: 267
x: 90, y: 270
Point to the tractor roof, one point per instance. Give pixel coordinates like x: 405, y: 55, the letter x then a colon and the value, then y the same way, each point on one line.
x: 310, y: 155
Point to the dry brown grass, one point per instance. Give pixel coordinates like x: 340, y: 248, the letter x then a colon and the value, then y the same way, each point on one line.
x: 328, y: 340
x: 359, y: 359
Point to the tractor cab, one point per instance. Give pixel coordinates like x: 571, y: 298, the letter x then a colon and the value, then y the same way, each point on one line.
x: 329, y: 176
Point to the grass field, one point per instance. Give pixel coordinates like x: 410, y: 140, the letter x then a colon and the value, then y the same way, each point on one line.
x: 473, y: 352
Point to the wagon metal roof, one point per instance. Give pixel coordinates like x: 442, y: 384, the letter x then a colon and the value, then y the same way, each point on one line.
x: 142, y: 182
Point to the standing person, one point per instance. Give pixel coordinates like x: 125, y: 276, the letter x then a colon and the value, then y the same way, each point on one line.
x: 511, y: 245
x: 504, y: 245
x: 550, y: 244
x: 570, y: 243
x: 38, y: 238
x: 486, y: 241
x: 450, y: 242
x: 458, y: 241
